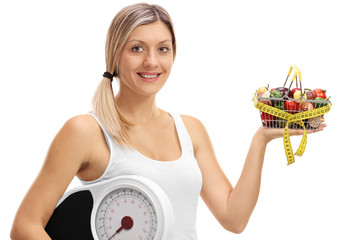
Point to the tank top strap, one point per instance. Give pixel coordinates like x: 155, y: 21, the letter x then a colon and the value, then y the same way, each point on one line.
x: 109, y: 139
x: 184, y: 137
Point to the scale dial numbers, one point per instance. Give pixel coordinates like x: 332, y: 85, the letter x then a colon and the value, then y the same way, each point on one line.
x: 123, y: 205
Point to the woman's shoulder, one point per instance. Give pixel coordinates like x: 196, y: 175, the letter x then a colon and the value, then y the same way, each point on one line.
x: 191, y: 121
x: 83, y: 133
x: 81, y: 128
x: 196, y: 130
x: 82, y: 124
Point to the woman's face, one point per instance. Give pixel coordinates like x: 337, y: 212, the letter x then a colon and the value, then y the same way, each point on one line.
x: 146, y: 59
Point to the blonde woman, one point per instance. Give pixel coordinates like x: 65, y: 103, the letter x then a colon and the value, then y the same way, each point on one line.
x: 127, y: 133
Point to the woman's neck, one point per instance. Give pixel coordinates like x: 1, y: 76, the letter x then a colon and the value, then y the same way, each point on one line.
x: 137, y: 109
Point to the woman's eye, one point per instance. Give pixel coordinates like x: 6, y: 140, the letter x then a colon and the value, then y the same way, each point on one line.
x: 164, y: 49
x: 137, y: 49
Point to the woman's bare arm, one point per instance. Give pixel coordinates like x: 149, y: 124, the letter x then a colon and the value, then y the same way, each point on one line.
x: 68, y: 152
x: 232, y: 206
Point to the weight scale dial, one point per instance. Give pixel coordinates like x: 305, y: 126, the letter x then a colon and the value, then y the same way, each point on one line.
x: 125, y: 207
x: 126, y: 213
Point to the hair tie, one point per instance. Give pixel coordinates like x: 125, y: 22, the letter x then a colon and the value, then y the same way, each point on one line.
x: 108, y: 75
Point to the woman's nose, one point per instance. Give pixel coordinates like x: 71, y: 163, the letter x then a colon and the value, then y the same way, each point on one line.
x: 151, y: 60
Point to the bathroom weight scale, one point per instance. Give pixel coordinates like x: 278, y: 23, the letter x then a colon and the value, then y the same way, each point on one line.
x: 125, y: 207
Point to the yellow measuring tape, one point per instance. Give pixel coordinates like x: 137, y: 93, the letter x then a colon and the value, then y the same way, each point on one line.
x: 296, y: 118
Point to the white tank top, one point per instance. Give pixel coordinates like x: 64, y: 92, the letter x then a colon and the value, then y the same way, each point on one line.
x: 180, y: 179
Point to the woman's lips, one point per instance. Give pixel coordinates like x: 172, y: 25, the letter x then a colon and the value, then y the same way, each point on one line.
x: 149, y: 76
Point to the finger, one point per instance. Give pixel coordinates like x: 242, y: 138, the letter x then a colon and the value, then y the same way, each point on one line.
x: 321, y: 128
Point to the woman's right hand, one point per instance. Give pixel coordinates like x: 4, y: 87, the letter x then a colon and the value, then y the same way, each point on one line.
x: 69, y: 151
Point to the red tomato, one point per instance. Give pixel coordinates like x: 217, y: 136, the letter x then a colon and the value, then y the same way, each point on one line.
x: 320, y: 93
x: 292, y: 106
x: 267, y: 119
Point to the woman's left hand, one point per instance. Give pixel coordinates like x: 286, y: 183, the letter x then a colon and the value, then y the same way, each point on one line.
x: 269, y: 134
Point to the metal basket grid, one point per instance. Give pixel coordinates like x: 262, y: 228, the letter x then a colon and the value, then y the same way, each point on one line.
x: 271, y: 121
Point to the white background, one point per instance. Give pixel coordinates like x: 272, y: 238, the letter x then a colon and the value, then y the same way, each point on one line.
x: 52, y: 58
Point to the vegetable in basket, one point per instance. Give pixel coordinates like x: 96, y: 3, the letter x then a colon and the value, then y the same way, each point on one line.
x: 267, y: 119
x: 285, y: 91
x: 316, y: 121
x: 278, y: 103
x: 310, y: 95
x: 312, y: 122
x: 292, y: 106
x: 306, y: 106
x: 319, y: 105
x: 318, y: 92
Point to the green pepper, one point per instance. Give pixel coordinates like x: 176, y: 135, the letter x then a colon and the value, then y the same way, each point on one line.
x: 279, y: 104
x: 276, y: 94
x: 318, y: 104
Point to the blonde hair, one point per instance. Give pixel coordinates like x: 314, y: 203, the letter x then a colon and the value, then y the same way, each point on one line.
x: 103, y: 102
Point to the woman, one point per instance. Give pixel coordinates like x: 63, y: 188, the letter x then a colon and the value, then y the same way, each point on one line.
x: 128, y: 134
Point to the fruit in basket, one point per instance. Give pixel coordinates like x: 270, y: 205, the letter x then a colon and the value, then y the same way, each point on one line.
x: 265, y: 95
x: 292, y: 106
x: 285, y: 91
x: 262, y: 89
x: 297, y: 94
x: 294, y: 90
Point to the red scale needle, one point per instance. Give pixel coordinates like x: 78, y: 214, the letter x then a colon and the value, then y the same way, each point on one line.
x: 126, y: 223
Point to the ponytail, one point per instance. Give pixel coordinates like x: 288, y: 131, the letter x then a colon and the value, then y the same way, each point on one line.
x: 106, y: 110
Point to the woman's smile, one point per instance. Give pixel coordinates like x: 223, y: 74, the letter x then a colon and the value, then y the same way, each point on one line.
x: 149, y: 76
